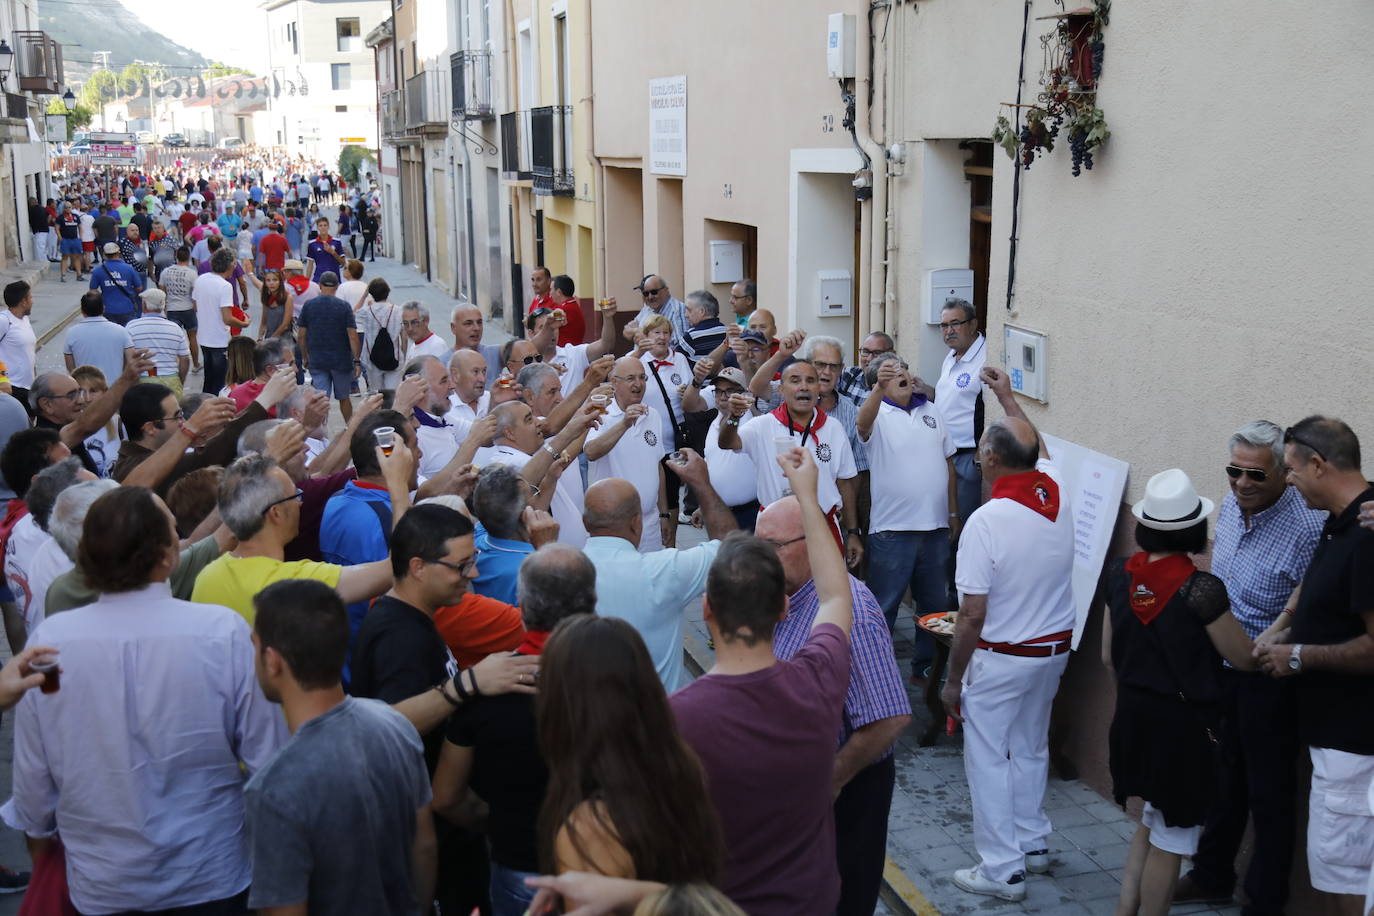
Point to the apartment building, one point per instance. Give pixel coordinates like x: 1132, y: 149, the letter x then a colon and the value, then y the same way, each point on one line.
x: 31, y: 67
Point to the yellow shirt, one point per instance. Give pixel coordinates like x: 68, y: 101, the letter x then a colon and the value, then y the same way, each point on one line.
x: 233, y: 581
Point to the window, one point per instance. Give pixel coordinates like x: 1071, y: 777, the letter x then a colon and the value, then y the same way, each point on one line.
x: 341, y: 76
x: 341, y: 108
x: 348, y: 33
x: 294, y: 35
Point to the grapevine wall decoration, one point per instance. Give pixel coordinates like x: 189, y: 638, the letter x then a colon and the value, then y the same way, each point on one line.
x: 1073, y: 54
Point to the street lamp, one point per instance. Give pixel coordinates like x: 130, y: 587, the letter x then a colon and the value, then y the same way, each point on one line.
x: 69, y: 100
x: 6, y: 61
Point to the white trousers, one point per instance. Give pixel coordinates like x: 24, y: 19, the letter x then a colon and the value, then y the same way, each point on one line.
x: 1006, y: 707
x: 40, y: 246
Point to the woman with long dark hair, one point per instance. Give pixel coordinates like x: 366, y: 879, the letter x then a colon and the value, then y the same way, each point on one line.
x: 1167, y: 627
x: 626, y: 796
x: 277, y: 305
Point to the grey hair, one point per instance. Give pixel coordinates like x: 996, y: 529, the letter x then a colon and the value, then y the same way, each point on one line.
x: 417, y: 307
x: 1260, y: 434
x: 708, y: 302
x: 962, y: 305
x: 42, y: 388
x: 191, y: 401
x: 556, y: 581
x: 498, y: 500
x: 448, y: 501
x: 47, y: 485
x: 1014, y: 454
x: 871, y: 373
x: 505, y: 417
x: 417, y: 365
x: 533, y: 375
x: 458, y: 310
x: 294, y: 402
x: 750, y: 288
x: 253, y: 440
x: 69, y: 512
x: 808, y: 349
x: 245, y: 493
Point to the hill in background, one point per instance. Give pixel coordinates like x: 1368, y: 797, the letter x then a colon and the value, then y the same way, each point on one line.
x: 86, y: 26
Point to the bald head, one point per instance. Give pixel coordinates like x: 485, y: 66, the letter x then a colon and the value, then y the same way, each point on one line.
x: 778, y: 524
x: 468, y: 370
x: 762, y: 320
x: 628, y: 380
x: 1010, y: 446
x: 611, y: 509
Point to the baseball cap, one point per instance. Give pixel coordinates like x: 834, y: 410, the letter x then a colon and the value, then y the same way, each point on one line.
x: 111, y: 248
x: 732, y: 375
x: 292, y: 264
x: 328, y: 278
x: 154, y: 297
x: 755, y: 336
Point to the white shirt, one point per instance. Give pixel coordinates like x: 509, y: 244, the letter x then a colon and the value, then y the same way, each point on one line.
x: 162, y: 694
x: 573, y: 359
x: 432, y: 345
x: 163, y: 337
x: 829, y: 446
x: 461, y: 411
x: 314, y: 448
x: 47, y: 564
x: 1023, y: 562
x: 312, y: 290
x: 634, y: 458
x: 957, y: 391
x: 86, y: 228
x: 351, y: 291
x: 908, y: 474
x: 18, y: 347
x: 566, y: 506
x: 732, y: 473
x: 438, y: 443
x: 679, y: 373
x: 26, y: 540
x: 210, y: 294
x: 651, y: 592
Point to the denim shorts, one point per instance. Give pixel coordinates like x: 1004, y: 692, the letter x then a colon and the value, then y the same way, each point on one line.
x: 184, y: 317
x: 338, y: 381
x: 70, y: 246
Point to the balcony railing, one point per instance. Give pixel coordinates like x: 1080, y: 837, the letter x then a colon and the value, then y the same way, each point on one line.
x: 551, y: 150
x: 515, y: 145
x: 38, y: 62
x: 16, y: 105
x: 424, y: 105
x: 393, y: 114
x: 471, y: 71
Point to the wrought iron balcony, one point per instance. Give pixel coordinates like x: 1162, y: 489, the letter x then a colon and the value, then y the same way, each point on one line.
x: 551, y: 150
x: 471, y: 73
x: 515, y: 146
x: 16, y: 105
x: 38, y: 62
x: 424, y: 109
x: 393, y: 114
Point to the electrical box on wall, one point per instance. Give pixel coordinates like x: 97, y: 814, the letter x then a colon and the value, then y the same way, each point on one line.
x: 727, y: 261
x: 839, y: 47
x: 836, y: 293
x: 941, y: 286
x: 1023, y: 357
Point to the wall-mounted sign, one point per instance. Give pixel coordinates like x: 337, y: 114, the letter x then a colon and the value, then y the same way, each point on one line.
x: 668, y: 125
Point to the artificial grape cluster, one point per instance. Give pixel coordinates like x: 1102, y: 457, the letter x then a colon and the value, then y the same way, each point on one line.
x: 1027, y: 150
x: 1099, y: 49
x: 1082, y: 155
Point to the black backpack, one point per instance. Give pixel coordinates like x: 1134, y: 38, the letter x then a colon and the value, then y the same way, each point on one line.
x: 383, y: 352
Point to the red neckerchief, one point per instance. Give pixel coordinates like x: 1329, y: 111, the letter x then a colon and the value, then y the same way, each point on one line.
x: 817, y: 421
x: 533, y: 643
x: 1153, y: 584
x: 1035, y: 490
x: 660, y: 363
x: 364, y: 485
x: 299, y: 283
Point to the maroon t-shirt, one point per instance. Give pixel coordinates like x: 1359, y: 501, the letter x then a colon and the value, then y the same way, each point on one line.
x: 274, y: 249
x: 306, y: 546
x: 767, y: 742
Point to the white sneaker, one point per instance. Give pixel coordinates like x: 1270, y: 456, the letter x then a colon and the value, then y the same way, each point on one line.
x: 1038, y: 862
x: 975, y: 882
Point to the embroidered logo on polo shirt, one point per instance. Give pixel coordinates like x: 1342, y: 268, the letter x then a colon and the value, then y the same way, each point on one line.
x: 963, y: 380
x: 1042, y: 494
x: 1142, y: 599
x: 677, y: 378
x: 650, y: 438
x: 929, y: 420
x: 823, y: 451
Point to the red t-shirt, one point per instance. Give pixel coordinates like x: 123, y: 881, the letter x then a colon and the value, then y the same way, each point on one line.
x: 274, y: 248
x: 575, y: 330
x: 187, y: 219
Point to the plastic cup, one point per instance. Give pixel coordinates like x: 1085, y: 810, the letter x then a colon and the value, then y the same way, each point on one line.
x: 604, y: 305
x: 600, y: 401
x: 386, y: 438
x: 679, y: 458
x: 47, y: 666
x: 783, y: 444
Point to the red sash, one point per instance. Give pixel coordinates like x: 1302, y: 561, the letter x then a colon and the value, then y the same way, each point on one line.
x: 818, y: 420
x: 1035, y: 490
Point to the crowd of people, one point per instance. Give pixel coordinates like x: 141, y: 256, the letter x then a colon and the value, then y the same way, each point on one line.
x: 469, y: 603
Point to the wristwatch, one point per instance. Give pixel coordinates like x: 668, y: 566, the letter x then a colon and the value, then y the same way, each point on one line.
x: 1295, y: 659
x: 853, y: 531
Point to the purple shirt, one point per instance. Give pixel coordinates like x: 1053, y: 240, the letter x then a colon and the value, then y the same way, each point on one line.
x: 876, y: 690
x: 766, y: 741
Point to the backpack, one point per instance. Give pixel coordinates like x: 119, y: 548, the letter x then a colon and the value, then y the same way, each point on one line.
x: 383, y: 352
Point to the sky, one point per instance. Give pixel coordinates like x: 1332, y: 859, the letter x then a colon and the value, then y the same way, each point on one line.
x: 235, y: 37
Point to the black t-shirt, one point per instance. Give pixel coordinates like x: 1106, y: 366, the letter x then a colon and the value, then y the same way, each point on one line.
x: 38, y: 218
x: 144, y: 222
x: 508, y: 773
x: 70, y: 226
x: 79, y: 451
x: 105, y: 226
x: 397, y: 655
x: 1337, y: 593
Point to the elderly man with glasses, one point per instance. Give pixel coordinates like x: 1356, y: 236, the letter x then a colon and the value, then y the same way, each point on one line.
x: 659, y: 300
x: 853, y: 384
x: 958, y: 395
x: 1265, y: 538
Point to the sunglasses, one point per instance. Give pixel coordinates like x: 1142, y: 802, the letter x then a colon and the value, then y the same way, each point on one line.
x: 1290, y: 436
x: 1255, y: 474
x: 536, y: 358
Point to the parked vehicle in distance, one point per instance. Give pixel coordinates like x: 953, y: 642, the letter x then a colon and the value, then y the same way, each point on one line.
x: 80, y: 148
x: 144, y: 136
x: 231, y: 143
x: 175, y: 140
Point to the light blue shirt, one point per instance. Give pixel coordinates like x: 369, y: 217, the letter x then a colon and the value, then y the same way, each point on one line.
x: 135, y: 760
x: 650, y: 591
x: 100, y: 343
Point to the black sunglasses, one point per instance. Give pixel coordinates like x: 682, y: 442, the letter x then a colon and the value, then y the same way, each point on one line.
x: 1255, y: 474
x: 1290, y: 436
x: 536, y: 358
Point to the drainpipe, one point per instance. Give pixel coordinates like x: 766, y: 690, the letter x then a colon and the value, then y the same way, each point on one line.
x: 875, y: 253
x: 599, y: 169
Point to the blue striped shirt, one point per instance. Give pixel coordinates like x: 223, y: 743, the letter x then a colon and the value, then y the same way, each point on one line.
x: 1263, y: 563
x: 163, y: 337
x: 876, y: 690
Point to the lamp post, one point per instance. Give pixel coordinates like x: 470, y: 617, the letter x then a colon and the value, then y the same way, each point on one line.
x: 69, y: 103
x: 6, y: 62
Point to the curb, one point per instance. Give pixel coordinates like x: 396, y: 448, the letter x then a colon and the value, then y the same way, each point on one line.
x: 899, y: 892
x: 56, y: 329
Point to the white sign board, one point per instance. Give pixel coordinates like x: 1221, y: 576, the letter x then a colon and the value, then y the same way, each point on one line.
x: 114, y: 153
x: 110, y: 137
x: 1095, y: 484
x: 668, y: 125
